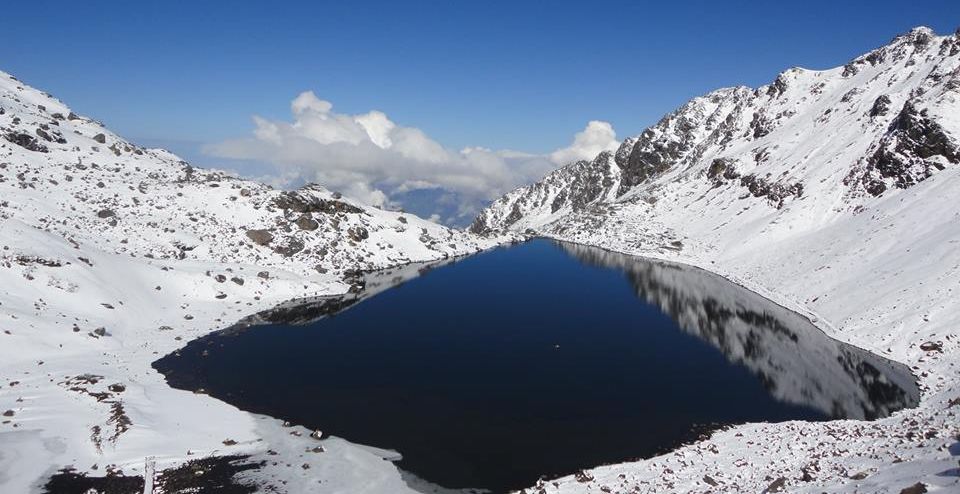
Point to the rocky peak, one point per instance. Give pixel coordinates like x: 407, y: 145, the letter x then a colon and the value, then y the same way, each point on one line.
x: 901, y: 47
x: 673, y: 138
x: 885, y: 119
x: 623, y: 152
x: 920, y: 35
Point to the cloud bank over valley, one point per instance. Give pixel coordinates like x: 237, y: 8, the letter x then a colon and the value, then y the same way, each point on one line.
x: 372, y: 158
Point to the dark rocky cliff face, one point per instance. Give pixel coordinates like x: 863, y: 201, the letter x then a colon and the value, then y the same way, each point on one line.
x: 912, y: 150
x: 574, y: 186
x: 679, y: 136
x: 591, y: 180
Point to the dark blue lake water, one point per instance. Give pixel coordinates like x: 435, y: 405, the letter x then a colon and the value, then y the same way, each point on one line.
x: 537, y: 360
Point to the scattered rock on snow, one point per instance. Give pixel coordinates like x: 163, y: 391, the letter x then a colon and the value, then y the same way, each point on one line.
x: 931, y: 346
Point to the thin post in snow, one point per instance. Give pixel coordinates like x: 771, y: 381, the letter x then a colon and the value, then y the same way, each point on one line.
x: 150, y: 466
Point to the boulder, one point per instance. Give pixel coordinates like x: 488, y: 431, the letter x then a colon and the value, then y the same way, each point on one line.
x: 931, y: 346
x: 291, y: 247
x: 260, y: 237
x: 918, y: 488
x: 26, y: 141
x: 306, y: 222
x: 358, y: 233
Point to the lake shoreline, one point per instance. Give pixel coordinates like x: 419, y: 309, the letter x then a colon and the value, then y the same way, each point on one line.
x: 213, y: 337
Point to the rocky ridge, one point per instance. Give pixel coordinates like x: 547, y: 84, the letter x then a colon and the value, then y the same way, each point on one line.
x: 886, y: 120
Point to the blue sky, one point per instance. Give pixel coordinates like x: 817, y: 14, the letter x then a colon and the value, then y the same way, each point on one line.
x: 502, y: 75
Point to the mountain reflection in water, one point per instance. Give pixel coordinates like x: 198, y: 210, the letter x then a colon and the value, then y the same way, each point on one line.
x: 796, y: 361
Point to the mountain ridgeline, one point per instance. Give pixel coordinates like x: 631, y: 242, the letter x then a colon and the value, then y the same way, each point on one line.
x: 885, y: 121
x: 148, y: 203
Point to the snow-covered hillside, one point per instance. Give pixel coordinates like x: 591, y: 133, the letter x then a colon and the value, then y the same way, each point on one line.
x: 112, y: 255
x: 832, y: 192
x: 843, y: 137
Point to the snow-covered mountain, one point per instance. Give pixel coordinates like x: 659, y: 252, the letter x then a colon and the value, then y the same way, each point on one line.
x: 832, y: 192
x: 843, y: 137
x: 112, y: 255
x: 70, y: 176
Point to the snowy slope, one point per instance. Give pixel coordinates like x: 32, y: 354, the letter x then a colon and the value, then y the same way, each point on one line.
x: 112, y: 255
x: 886, y: 120
x: 832, y: 192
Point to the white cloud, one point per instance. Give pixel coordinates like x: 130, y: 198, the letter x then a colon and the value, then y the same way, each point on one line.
x: 309, y: 101
x: 364, y: 192
x: 371, y: 158
x: 588, y: 143
x: 378, y: 127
